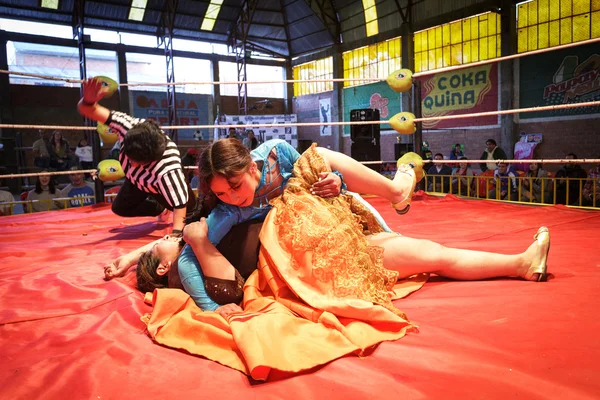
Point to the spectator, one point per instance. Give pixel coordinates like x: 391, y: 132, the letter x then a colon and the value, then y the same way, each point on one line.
x: 462, y: 179
x: 568, y: 183
x: 456, y: 153
x: 40, y: 150
x: 6, y: 197
x: 114, y: 152
x: 506, y: 183
x: 440, y: 176
x: 85, y: 154
x: 531, y: 189
x: 492, y: 152
x: 250, y: 142
x: 591, y: 194
x: 80, y: 192
x: 190, y: 159
x: 232, y: 134
x: 61, y: 156
x: 45, y: 192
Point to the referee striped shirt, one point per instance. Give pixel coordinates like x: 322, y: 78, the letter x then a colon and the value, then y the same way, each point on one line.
x: 164, y: 177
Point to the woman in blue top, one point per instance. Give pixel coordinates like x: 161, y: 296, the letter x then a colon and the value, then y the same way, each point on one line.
x: 246, y: 182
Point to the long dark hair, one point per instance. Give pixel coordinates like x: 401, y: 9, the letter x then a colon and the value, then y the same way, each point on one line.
x: 51, y: 185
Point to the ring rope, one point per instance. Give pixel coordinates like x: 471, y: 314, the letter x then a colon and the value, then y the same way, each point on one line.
x: 415, y: 75
x: 538, y: 161
x: 306, y: 124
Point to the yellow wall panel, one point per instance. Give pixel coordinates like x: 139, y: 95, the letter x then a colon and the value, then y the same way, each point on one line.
x: 596, y: 24
x: 522, y: 40
x: 417, y: 42
x: 447, y: 54
x: 532, y: 38
x: 581, y: 6
x: 554, y: 33
x: 431, y: 39
x: 466, y: 53
x: 543, y: 11
x: 439, y: 58
x: 491, y: 23
x: 474, y: 50
x: 566, y: 30
x: 475, y: 29
x: 372, y: 28
x: 418, y: 62
x: 581, y: 27
x: 446, y: 34
x: 455, y: 32
x: 554, y: 9
x: 483, y: 49
x: 543, y: 40
x: 431, y: 59
x: 595, y: 5
x: 566, y: 8
x: 424, y: 44
x: 456, y: 50
x: 522, y: 16
x: 439, y: 37
x: 466, y: 30
x: 398, y: 48
x: 492, y: 47
x: 532, y: 13
x: 373, y: 53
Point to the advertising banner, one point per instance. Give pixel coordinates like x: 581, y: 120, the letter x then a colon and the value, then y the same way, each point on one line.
x: 465, y: 91
x: 560, y: 77
x: 377, y: 95
x: 192, y: 109
x: 262, y: 133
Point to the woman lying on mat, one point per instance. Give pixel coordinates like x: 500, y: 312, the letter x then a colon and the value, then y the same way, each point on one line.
x: 157, y: 262
x: 347, y: 247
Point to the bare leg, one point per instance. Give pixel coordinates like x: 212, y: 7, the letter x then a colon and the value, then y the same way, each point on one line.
x: 362, y: 179
x: 412, y: 256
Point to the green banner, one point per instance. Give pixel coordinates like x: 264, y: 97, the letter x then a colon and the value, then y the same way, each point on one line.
x: 377, y: 95
x: 560, y: 77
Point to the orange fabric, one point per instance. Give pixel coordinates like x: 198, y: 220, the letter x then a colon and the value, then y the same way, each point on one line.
x: 312, y: 299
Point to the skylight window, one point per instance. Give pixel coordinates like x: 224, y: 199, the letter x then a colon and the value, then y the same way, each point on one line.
x: 212, y: 12
x: 138, y: 8
x: 370, y: 17
x: 50, y: 4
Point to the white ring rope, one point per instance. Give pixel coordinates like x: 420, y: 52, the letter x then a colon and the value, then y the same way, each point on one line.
x: 306, y: 124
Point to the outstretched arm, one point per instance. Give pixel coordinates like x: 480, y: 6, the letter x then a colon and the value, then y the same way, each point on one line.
x: 121, y: 265
x: 93, y: 92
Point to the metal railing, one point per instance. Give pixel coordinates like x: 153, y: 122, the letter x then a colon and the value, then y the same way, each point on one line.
x: 546, y: 190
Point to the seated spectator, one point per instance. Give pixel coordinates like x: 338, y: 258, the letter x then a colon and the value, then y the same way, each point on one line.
x: 506, y: 183
x: 591, y: 194
x: 79, y: 191
x: 6, y: 197
x: 531, y: 189
x: 114, y: 152
x: 492, y: 152
x: 41, y: 154
x: 61, y: 156
x: 462, y: 179
x: 84, y: 154
x: 250, y: 141
x: 456, y: 153
x: 190, y: 159
x: 45, y: 192
x: 439, y: 176
x: 567, y: 183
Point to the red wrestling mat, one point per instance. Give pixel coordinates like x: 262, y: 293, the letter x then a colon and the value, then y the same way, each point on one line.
x: 65, y: 333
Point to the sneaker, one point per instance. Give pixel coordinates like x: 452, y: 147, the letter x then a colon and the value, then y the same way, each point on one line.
x: 164, y: 216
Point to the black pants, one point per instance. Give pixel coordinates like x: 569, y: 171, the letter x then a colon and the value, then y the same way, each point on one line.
x: 132, y: 202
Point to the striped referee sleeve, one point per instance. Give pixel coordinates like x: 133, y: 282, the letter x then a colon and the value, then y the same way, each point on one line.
x: 173, y: 187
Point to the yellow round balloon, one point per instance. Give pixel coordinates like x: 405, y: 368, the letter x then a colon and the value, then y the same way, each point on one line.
x: 404, y: 123
x: 400, y: 80
x: 107, y: 135
x: 110, y: 170
x: 111, y: 84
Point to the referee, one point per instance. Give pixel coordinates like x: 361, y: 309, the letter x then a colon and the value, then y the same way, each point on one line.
x: 154, y: 179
